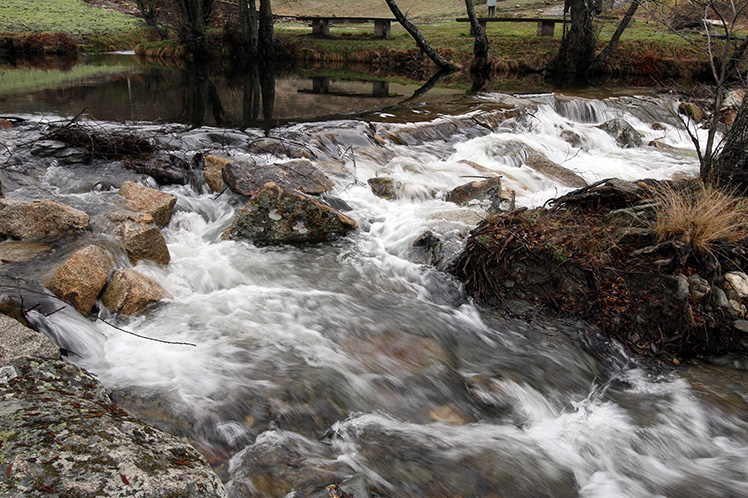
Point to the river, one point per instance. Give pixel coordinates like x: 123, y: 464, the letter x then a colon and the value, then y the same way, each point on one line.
x: 356, y: 361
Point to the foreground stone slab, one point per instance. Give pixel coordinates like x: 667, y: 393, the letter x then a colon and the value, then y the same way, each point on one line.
x: 63, y: 436
x: 27, y: 220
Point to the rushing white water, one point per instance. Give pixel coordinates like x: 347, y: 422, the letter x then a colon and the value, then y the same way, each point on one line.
x: 355, y: 362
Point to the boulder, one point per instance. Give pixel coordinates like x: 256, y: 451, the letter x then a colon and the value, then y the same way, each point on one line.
x: 80, y: 279
x: 145, y: 242
x: 277, y: 215
x: 165, y: 168
x: 18, y: 341
x: 624, y: 133
x: 129, y: 292
x: 26, y: 220
x: 736, y: 285
x: 247, y: 179
x: 383, y: 187
x: 480, y: 190
x: 63, y: 436
x: 5, y: 124
x: 691, y: 110
x: 213, y: 172
x: 158, y: 204
x: 546, y: 167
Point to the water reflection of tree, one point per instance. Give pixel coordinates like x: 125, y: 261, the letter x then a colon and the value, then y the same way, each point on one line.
x: 201, y: 99
x: 199, y: 94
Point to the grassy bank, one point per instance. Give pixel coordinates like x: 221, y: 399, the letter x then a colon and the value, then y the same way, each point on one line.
x: 646, y: 49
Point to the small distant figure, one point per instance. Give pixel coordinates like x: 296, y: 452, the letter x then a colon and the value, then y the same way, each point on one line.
x: 491, y: 8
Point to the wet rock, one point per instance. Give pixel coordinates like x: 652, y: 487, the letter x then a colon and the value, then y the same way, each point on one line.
x: 691, y: 110
x: 12, y: 309
x: 80, y: 279
x: 658, y: 126
x: 145, y: 242
x: 165, y: 168
x: 18, y: 341
x: 124, y: 215
x: 129, y: 293
x: 624, y: 133
x: 63, y: 436
x: 279, y: 147
x: 14, y: 251
x: 1, y: 189
x: 659, y: 145
x: 427, y: 249
x: 60, y: 151
x: 730, y: 105
x: 158, y: 204
x: 573, y: 138
x: 513, y: 152
x: 213, y: 172
x: 277, y: 215
x: 546, y: 167
x: 383, y: 187
x: 5, y: 124
x: 26, y: 220
x: 301, y: 175
x: 488, y: 190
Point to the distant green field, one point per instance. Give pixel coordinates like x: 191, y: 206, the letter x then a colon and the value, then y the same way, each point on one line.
x: 74, y: 17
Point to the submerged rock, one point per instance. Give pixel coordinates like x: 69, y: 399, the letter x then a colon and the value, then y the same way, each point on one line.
x: 383, y: 187
x: 80, y: 279
x: 623, y: 132
x: 545, y: 166
x: 277, y: 215
x: 247, y: 179
x: 26, y: 220
x: 129, y: 292
x: 14, y: 251
x: 481, y: 190
x: 158, y: 204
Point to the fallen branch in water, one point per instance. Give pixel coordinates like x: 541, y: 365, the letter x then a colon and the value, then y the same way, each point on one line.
x: 19, y: 288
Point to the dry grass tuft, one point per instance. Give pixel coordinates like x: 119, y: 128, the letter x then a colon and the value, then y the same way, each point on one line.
x: 705, y: 215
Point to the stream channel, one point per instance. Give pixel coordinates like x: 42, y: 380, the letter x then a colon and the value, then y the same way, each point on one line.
x: 362, y: 361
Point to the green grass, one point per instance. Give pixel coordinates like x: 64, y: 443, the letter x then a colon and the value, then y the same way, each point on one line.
x: 75, y: 17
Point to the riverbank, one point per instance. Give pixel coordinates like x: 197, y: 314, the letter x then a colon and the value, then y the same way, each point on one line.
x: 647, y: 50
x: 659, y: 267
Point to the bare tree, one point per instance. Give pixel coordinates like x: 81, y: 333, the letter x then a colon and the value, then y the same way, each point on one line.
x: 720, y: 44
x: 419, y: 38
x: 149, y: 10
x: 193, y: 19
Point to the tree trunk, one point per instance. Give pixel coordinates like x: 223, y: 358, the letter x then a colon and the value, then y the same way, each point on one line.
x: 266, y: 35
x: 480, y: 47
x: 248, y: 19
x: 578, y: 46
x: 598, y: 62
x: 731, y: 167
x: 192, y: 28
x: 418, y: 37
